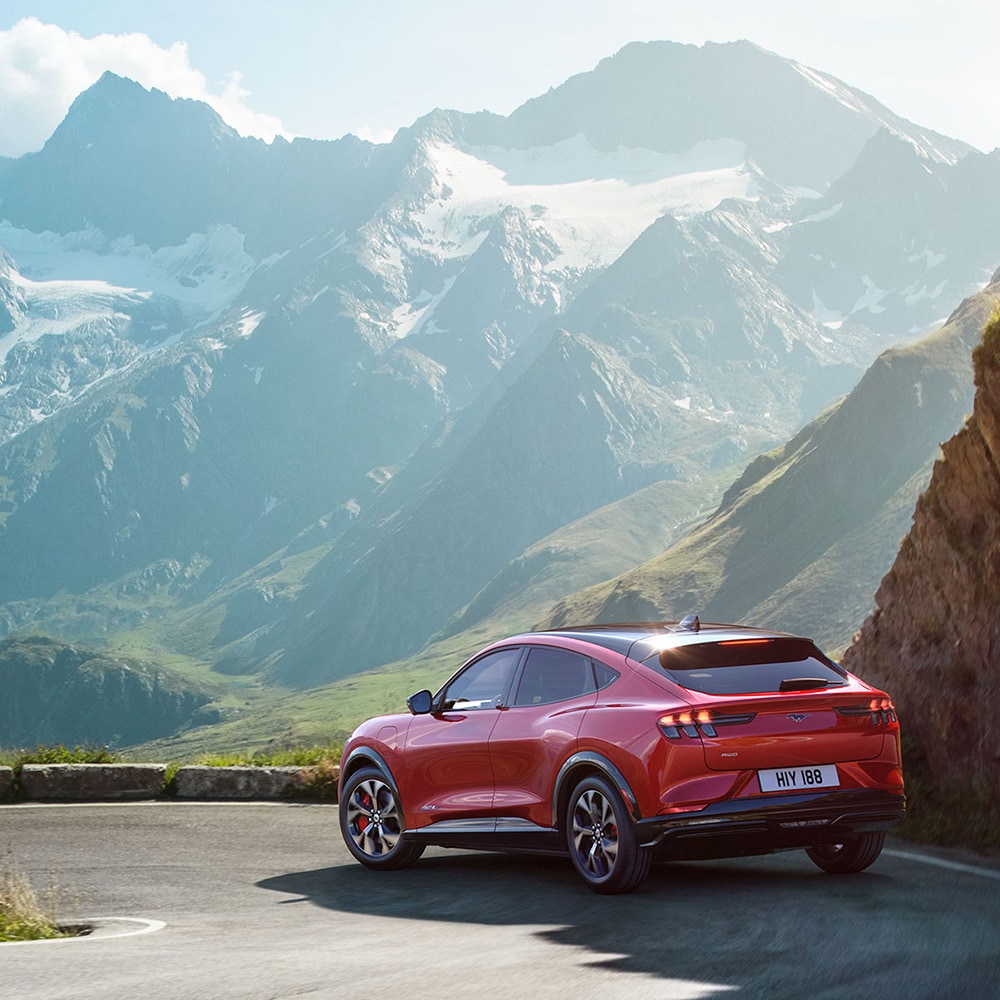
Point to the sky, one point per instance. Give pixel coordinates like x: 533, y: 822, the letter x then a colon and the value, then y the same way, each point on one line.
x: 323, y: 68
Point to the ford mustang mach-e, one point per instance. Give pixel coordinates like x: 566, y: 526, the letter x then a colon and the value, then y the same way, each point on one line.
x: 620, y: 744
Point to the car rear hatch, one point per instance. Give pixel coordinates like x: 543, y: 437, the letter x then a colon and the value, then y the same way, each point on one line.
x: 775, y: 703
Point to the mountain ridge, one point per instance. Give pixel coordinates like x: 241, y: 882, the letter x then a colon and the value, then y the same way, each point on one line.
x: 792, y: 506
x: 694, y: 90
x: 297, y: 420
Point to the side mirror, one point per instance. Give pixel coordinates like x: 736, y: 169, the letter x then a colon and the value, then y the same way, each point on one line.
x: 420, y: 703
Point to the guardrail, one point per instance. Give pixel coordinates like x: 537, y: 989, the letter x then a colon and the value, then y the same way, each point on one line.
x: 131, y: 782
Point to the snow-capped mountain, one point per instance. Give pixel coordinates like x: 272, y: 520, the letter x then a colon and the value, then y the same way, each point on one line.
x: 314, y: 396
x: 120, y: 303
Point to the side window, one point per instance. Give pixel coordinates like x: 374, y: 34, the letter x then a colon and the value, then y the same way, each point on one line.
x: 552, y: 675
x: 605, y: 675
x: 482, y: 684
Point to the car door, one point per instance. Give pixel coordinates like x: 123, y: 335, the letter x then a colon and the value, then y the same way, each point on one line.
x: 446, y: 772
x: 533, y: 737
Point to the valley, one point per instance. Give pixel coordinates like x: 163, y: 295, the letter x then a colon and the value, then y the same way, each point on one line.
x: 309, y: 422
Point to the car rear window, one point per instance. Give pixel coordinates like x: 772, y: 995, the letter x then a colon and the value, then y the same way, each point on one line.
x: 750, y: 666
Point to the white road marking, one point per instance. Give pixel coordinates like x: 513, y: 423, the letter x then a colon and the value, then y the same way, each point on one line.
x: 102, y: 929
x: 942, y: 863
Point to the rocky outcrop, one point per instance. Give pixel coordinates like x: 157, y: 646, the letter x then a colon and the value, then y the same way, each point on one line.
x: 56, y: 693
x: 934, y: 638
x: 11, y: 296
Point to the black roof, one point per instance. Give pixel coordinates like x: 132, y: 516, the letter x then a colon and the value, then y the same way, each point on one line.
x: 638, y: 640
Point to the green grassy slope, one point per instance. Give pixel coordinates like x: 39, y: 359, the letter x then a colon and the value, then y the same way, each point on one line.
x: 803, y: 537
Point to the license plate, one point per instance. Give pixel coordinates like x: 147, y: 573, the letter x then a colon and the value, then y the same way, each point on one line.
x: 798, y: 779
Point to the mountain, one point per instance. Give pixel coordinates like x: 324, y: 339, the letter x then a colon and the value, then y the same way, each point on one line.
x: 668, y: 97
x: 638, y: 417
x: 56, y: 693
x: 294, y: 410
x: 801, y: 539
x: 136, y: 163
x: 934, y: 636
x: 892, y: 242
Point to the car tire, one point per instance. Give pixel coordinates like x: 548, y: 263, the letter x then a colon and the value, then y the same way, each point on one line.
x: 602, y: 840
x: 853, y: 855
x: 372, y: 824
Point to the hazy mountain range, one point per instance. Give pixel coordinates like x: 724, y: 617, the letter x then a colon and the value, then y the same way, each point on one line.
x: 292, y: 411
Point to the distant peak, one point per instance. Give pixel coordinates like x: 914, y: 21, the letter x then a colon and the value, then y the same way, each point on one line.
x: 111, y: 79
x: 116, y: 105
x: 110, y: 85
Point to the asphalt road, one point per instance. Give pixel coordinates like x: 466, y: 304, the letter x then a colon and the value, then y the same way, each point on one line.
x: 262, y: 901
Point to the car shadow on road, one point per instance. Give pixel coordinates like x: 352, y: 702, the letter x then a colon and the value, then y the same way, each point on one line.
x: 748, y: 925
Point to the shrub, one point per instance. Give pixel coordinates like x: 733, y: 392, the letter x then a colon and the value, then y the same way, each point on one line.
x: 294, y: 757
x: 21, y: 915
x: 59, y: 754
x: 318, y: 781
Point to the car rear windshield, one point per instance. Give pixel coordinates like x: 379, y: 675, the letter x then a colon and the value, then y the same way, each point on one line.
x: 750, y: 666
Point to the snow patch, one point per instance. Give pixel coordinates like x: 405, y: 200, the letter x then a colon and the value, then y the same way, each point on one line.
x: 830, y: 318
x: 914, y: 294
x: 928, y: 256
x: 86, y: 280
x: 827, y: 213
x: 850, y: 99
x: 871, y: 298
x: 204, y: 274
x: 834, y: 88
x: 411, y: 317
x: 249, y: 322
x: 593, y: 204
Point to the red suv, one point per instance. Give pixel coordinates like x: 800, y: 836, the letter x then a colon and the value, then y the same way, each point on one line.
x: 618, y: 744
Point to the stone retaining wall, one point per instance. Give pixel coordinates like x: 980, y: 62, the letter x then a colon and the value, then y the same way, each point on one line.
x: 129, y: 782
x: 239, y: 782
x: 88, y: 782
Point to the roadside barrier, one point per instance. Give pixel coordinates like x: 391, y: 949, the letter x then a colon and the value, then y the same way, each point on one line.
x: 89, y: 782
x: 132, y: 782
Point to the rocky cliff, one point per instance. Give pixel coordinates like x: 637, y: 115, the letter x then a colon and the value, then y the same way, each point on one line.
x: 934, y: 638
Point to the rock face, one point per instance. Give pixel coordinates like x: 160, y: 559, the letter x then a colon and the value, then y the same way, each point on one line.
x: 934, y: 639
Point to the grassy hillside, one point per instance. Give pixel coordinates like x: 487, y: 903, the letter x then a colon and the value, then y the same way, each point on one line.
x: 801, y: 540
x: 260, y: 715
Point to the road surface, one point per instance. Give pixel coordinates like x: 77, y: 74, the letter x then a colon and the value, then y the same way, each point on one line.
x: 261, y: 901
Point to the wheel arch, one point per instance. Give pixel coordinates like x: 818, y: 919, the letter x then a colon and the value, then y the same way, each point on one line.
x: 575, y: 769
x: 361, y: 757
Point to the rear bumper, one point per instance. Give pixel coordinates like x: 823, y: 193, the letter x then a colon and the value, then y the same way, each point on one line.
x: 763, y: 824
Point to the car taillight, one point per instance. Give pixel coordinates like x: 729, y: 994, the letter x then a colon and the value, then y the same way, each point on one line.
x: 881, y: 710
x: 701, y: 722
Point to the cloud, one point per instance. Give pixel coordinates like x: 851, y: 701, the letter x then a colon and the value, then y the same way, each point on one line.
x: 43, y: 68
